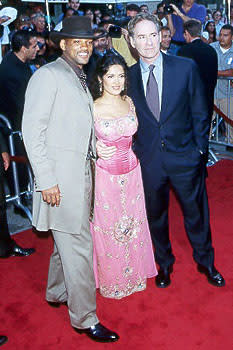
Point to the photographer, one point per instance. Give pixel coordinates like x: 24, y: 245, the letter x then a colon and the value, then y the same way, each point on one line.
x: 101, y: 46
x: 123, y: 47
x: 119, y: 39
x: 178, y: 15
x: 160, y: 14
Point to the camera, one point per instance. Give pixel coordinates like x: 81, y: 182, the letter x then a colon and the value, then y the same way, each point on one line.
x: 121, y: 21
x: 168, y: 9
x: 115, y: 32
x: 118, y: 23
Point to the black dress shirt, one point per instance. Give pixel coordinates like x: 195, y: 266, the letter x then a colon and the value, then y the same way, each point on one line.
x: 3, y: 147
x: 14, y: 77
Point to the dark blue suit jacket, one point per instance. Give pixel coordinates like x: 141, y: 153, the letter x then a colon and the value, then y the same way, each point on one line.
x: 183, y: 125
x: 207, y: 61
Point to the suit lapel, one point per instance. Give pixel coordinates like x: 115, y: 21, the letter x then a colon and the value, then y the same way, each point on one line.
x: 86, y: 96
x: 138, y: 77
x: 90, y: 99
x: 167, y: 91
x: 76, y: 81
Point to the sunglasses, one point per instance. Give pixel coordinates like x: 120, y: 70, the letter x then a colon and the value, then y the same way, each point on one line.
x: 26, y: 19
x: 40, y: 45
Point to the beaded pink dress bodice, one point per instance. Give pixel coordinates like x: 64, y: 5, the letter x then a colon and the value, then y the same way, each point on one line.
x: 118, y: 132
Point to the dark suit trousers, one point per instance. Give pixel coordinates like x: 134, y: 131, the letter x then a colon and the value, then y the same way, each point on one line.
x: 21, y: 168
x: 185, y: 173
x: 5, y: 238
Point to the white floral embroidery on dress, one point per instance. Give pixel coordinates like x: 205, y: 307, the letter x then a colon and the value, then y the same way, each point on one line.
x: 117, y: 292
x: 126, y: 229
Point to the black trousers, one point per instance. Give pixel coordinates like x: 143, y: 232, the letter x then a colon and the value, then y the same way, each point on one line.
x: 21, y: 168
x: 5, y: 238
x: 186, y: 174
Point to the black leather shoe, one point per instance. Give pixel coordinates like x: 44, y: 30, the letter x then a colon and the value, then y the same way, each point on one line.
x: 213, y: 276
x: 99, y: 333
x: 16, y: 250
x: 3, y: 339
x: 162, y: 280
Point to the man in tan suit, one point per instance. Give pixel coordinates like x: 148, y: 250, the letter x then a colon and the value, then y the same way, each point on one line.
x: 58, y: 133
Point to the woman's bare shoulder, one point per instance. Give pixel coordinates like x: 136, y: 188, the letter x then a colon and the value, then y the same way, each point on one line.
x: 130, y: 102
x: 97, y: 106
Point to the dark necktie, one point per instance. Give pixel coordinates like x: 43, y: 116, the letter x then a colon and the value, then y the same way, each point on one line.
x: 152, y: 94
x: 83, y: 80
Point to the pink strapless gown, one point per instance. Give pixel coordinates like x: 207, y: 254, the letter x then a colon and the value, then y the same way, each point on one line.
x: 123, y: 254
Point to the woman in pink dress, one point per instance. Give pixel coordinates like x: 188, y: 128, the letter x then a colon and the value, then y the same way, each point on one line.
x: 123, y: 251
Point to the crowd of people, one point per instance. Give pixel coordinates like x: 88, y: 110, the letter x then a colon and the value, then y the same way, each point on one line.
x: 112, y: 36
x: 104, y: 227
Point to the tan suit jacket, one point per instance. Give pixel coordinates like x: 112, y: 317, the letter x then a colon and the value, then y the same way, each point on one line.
x: 57, y: 128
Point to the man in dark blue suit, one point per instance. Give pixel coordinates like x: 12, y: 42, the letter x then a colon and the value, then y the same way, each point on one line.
x: 172, y: 145
x: 204, y: 56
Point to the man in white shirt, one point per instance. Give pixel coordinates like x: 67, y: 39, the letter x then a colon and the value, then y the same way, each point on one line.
x: 224, y: 49
x: 7, y: 15
x: 165, y: 39
x: 4, y: 39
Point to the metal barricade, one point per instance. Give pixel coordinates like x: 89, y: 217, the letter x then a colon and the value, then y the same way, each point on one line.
x: 221, y: 132
x: 16, y: 198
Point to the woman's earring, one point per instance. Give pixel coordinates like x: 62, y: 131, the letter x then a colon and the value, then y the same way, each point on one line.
x: 101, y: 86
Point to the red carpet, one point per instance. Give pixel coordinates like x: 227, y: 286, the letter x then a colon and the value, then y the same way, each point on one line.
x: 189, y: 315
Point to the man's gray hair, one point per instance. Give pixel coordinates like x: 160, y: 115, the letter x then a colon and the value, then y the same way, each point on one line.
x: 142, y: 16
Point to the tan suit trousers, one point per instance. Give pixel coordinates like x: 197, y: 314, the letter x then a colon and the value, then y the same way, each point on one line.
x: 71, y: 278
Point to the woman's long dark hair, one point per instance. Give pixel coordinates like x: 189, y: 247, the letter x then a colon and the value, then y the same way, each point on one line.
x: 103, y: 65
x: 207, y: 29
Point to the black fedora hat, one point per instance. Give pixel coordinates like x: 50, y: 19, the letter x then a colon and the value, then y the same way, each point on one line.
x: 73, y: 27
